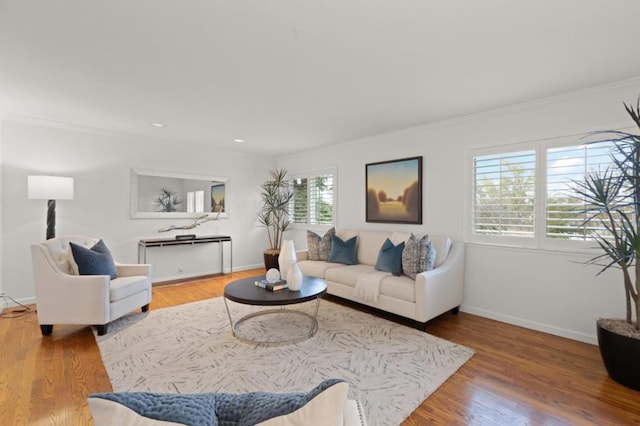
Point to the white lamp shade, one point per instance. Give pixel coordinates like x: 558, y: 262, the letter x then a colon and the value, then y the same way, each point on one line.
x: 50, y: 188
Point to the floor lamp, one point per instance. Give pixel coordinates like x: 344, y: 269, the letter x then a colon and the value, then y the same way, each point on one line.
x: 50, y: 188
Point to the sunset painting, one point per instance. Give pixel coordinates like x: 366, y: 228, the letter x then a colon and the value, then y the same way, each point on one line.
x: 217, y: 198
x: 394, y: 191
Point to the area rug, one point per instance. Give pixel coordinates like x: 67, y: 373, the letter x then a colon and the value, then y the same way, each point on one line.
x: 391, y: 368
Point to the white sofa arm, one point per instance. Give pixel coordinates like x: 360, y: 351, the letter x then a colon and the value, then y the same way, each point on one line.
x: 68, y: 299
x: 133, y: 269
x: 441, y: 289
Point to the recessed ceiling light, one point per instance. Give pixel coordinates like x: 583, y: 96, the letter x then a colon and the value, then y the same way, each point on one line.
x: 238, y: 140
x: 158, y: 124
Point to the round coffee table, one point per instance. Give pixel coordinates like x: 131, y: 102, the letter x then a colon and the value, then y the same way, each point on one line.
x: 245, y: 291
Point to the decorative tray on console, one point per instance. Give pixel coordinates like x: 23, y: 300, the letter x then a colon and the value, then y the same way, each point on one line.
x: 186, y: 237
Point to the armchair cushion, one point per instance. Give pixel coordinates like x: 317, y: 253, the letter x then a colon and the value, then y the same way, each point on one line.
x: 94, y: 261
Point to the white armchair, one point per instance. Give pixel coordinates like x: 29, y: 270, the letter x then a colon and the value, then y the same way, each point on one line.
x: 65, y: 298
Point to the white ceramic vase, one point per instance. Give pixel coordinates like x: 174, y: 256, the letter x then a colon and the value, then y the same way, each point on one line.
x: 294, y: 277
x: 286, y: 258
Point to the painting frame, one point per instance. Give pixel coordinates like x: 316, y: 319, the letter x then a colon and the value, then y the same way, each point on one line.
x: 218, y: 191
x: 393, y: 191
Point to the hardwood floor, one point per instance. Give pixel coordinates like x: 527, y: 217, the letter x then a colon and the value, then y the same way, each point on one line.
x: 517, y: 376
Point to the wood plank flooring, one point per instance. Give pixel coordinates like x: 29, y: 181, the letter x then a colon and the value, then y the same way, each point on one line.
x: 517, y: 376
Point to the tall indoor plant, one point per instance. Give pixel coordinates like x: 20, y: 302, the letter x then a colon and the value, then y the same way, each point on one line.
x: 612, y: 201
x: 275, y: 193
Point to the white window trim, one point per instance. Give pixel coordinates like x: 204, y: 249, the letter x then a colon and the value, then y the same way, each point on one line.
x: 539, y: 241
x: 315, y: 173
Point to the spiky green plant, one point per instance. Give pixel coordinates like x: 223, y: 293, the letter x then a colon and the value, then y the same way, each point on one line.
x: 276, y: 194
x: 612, y: 200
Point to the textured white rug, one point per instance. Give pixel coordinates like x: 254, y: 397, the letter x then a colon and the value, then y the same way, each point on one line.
x: 391, y: 368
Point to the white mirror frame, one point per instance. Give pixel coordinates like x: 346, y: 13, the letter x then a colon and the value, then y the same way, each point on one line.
x: 134, y: 190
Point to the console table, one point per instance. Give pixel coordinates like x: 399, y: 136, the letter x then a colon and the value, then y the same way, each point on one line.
x: 165, y: 242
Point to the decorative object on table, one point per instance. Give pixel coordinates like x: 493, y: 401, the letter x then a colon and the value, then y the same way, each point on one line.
x: 273, y: 275
x: 394, y: 191
x: 186, y: 237
x: 287, y: 257
x: 50, y: 188
x: 198, y: 221
x: 294, y: 277
x: 611, y: 199
x: 275, y: 194
x: 271, y: 285
x: 167, y: 200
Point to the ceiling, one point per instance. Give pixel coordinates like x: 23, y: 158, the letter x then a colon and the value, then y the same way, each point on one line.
x: 290, y: 75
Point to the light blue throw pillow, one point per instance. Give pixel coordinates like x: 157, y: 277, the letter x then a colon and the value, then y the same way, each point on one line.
x: 94, y: 261
x: 390, y: 258
x: 343, y: 251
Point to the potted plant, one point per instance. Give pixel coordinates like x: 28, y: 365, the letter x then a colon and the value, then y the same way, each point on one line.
x: 276, y: 193
x: 612, y: 201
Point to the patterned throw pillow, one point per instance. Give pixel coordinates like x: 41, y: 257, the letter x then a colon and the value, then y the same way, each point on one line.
x: 418, y: 256
x: 320, y: 247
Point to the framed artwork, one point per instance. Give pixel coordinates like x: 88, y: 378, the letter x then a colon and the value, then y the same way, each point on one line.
x: 394, y: 191
x: 217, y: 198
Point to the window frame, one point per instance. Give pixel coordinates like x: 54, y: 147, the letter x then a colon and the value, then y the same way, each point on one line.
x: 539, y: 239
x: 314, y: 174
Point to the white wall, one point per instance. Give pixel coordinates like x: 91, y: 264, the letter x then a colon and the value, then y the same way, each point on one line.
x: 543, y: 290
x: 100, y: 163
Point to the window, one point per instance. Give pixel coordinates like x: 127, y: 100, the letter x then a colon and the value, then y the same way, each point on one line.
x: 312, y: 202
x: 565, y: 167
x: 527, y: 196
x: 504, y: 194
x: 195, y: 201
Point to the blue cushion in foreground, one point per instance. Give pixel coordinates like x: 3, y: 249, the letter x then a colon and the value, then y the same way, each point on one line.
x: 212, y: 409
x: 94, y: 261
x: 390, y: 258
x: 343, y: 251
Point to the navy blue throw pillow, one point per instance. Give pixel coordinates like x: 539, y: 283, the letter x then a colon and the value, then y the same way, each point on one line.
x: 94, y: 261
x: 343, y: 251
x: 390, y: 258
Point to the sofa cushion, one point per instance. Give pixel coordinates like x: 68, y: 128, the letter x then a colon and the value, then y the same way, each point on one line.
x: 402, y: 288
x: 94, y: 261
x: 347, y: 275
x: 390, y: 258
x: 316, y: 268
x: 343, y: 251
x: 418, y: 256
x: 320, y: 247
x: 369, y: 243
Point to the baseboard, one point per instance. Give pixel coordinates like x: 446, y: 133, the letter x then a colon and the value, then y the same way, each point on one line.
x: 5, y: 302
x: 533, y: 325
x: 198, y: 275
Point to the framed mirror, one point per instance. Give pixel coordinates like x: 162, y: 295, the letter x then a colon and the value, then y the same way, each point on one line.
x: 162, y: 194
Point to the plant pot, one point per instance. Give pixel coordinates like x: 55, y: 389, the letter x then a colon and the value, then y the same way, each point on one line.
x: 271, y: 260
x: 620, y: 355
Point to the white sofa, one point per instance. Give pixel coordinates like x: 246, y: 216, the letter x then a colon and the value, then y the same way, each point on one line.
x: 432, y: 293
